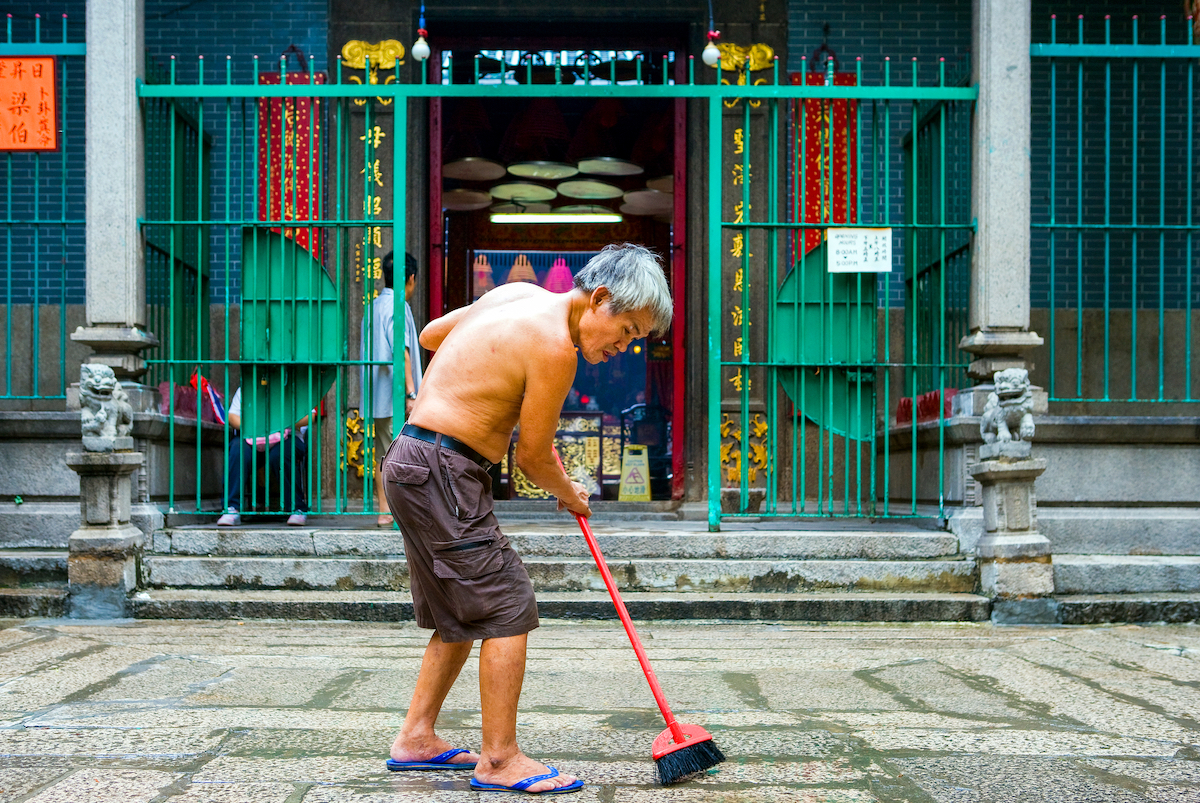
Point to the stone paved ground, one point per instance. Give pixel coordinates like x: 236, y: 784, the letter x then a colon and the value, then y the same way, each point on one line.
x: 282, y: 712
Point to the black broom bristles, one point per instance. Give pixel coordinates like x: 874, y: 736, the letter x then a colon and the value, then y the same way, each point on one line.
x: 679, y: 764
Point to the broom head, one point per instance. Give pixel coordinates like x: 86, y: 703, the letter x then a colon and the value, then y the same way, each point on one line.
x: 675, y: 761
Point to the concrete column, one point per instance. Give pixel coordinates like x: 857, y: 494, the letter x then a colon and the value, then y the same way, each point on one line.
x: 116, y: 284
x: 1000, y: 191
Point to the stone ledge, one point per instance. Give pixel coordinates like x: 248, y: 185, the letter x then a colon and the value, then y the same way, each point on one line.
x: 397, y: 606
x: 1126, y: 574
x: 26, y: 603
x: 1096, y: 429
x: 1091, y: 609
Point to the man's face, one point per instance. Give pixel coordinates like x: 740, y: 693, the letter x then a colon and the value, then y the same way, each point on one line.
x: 604, y: 334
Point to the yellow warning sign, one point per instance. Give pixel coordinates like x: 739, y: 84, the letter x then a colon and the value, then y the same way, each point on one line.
x: 635, y: 474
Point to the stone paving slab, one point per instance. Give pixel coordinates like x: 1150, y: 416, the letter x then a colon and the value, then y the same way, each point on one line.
x: 303, y: 712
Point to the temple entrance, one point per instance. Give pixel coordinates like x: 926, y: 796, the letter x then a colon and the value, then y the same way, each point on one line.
x: 530, y: 190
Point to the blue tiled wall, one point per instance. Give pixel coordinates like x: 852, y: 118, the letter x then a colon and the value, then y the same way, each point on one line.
x: 1077, y: 263
x: 210, y: 28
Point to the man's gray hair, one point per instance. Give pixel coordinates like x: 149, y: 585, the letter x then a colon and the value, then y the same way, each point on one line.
x: 634, y: 277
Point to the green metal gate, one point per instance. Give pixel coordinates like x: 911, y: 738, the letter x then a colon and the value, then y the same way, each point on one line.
x: 824, y: 359
x: 1114, y: 223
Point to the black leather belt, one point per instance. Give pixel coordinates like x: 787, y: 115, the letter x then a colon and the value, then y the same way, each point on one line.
x: 454, y: 444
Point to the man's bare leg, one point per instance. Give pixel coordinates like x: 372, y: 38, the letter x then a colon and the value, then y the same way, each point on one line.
x: 439, y: 669
x: 381, y: 502
x: 501, y: 672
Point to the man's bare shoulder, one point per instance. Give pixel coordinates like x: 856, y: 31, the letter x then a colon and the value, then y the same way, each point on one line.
x: 508, y: 293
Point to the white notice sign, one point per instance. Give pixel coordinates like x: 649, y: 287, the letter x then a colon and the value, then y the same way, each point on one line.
x: 860, y: 250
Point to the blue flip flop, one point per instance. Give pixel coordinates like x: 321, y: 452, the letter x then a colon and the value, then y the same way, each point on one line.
x: 441, y: 762
x: 524, y: 784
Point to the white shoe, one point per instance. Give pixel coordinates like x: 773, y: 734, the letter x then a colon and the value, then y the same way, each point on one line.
x: 297, y: 519
x: 231, y: 518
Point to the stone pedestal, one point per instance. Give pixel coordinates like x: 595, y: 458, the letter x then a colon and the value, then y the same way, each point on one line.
x: 103, y: 554
x: 1014, y: 558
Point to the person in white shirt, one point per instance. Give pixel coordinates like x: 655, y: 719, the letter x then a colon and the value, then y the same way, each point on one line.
x: 285, y: 455
x: 378, y: 339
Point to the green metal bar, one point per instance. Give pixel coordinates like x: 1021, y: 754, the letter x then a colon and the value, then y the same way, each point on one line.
x: 941, y: 341
x: 1054, y: 209
x: 743, y: 334
x: 1187, y: 285
x: 886, y: 208
x: 1111, y: 51
x: 1079, y: 220
x: 772, y: 282
x: 801, y: 305
x: 760, y: 92
x: 714, y: 312
x: 914, y: 188
x: 1133, y: 283
x: 1107, y: 198
x: 400, y: 248
x: 1162, y: 200
x: 9, y: 49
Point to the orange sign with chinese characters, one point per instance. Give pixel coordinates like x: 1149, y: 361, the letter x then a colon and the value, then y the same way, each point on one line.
x: 28, y: 105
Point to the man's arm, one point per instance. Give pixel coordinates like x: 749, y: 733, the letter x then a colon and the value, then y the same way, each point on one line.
x: 409, y: 388
x: 436, y: 330
x: 547, y: 380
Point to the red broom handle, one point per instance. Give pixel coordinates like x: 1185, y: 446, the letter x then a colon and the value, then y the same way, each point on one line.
x: 619, y: 604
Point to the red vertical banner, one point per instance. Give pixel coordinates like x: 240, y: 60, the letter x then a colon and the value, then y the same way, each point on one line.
x: 827, y: 131
x: 290, y: 175
x: 28, y: 104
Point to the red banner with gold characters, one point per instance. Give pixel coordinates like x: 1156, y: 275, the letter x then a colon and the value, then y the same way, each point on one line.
x: 290, y: 175
x: 827, y: 131
x: 28, y: 104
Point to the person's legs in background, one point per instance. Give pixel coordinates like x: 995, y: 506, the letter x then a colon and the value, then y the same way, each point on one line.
x: 383, y: 441
x: 235, y: 468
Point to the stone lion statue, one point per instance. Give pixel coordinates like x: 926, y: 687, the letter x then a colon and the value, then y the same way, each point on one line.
x: 106, y: 410
x: 1008, y: 414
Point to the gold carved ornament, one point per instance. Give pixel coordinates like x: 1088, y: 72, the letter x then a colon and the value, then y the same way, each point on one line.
x: 383, y: 55
x: 745, y: 60
x: 758, y: 458
x: 355, y: 430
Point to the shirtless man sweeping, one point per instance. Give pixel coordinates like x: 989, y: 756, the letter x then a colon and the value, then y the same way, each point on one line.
x: 509, y: 358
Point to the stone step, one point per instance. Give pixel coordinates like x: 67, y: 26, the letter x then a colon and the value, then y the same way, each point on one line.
x: 1121, y: 531
x: 1093, y: 609
x: 20, y: 567
x: 568, y: 574
x: 393, y: 606
x: 1125, y: 574
x: 532, y: 540
x: 26, y: 603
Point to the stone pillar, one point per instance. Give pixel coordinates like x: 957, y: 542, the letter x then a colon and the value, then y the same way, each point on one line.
x: 116, y: 276
x: 103, y: 554
x: 1014, y: 560
x: 1000, y: 190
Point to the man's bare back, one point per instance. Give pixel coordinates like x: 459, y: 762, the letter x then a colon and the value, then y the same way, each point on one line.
x: 510, y: 358
x: 475, y: 385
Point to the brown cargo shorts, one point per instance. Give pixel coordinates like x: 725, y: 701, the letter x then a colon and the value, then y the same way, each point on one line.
x: 467, y: 581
